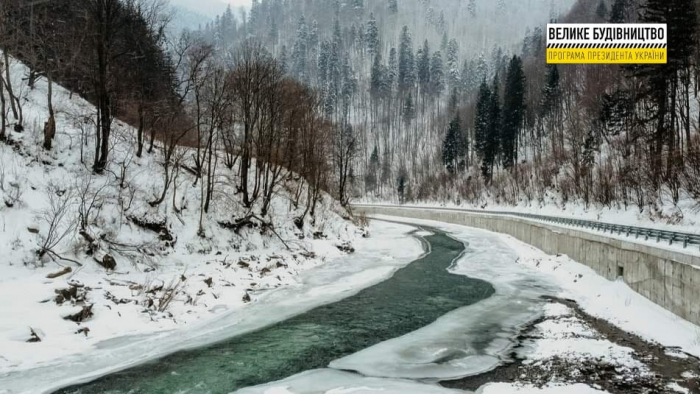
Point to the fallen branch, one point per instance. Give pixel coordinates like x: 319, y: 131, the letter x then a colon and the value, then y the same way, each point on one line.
x: 53, y: 255
x: 272, y: 228
x: 62, y: 272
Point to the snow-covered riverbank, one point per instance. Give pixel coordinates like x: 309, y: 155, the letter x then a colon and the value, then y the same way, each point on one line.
x: 375, y: 259
x: 520, y: 274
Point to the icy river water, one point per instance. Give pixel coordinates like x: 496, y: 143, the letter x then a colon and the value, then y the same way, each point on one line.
x: 414, y: 297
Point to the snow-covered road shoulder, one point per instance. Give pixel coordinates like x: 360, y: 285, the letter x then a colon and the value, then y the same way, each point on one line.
x: 562, y: 337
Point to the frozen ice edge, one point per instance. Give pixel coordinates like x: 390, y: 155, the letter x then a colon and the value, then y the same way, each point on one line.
x: 452, y: 347
x: 470, y: 340
x: 391, y: 247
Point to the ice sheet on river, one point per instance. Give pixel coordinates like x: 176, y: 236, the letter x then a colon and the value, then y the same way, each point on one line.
x: 375, y: 259
x: 472, y: 339
x: 328, y: 381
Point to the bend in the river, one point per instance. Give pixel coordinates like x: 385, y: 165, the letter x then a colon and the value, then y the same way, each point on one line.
x: 413, y: 297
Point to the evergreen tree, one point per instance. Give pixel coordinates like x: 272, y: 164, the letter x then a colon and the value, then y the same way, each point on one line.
x: 372, y: 36
x: 453, y: 62
x: 453, y: 103
x: 401, y: 189
x: 443, y: 44
x: 393, y: 6
x: 300, y: 51
x: 372, y: 171
x: 423, y: 59
x: 452, y: 147
x: 406, y: 61
x: 377, y: 77
x: 441, y: 24
x: 602, y: 10
x: 501, y: 7
x: 437, y: 75
x: 228, y: 27
x: 282, y: 59
x: 481, y: 120
x: 274, y: 33
x: 492, y: 137
x: 551, y: 91
x: 467, y: 78
x: 486, y: 126
x: 409, y: 110
x: 386, y: 166
x: 337, y: 34
x: 513, y: 111
x: 349, y: 87
x: 313, y: 36
x: 393, y: 74
x: 662, y: 81
x: 255, y: 16
x: 618, y: 13
x: 323, y: 58
x: 472, y: 8
x: 357, y: 5
x: 482, y: 68
x: 361, y: 40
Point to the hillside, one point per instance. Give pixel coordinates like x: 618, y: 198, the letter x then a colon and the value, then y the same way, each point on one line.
x: 404, y: 81
x: 63, y: 227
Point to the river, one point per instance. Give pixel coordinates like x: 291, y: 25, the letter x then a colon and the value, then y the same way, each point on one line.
x: 414, y: 297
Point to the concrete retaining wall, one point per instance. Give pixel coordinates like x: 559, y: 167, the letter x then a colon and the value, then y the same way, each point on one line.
x: 670, y: 279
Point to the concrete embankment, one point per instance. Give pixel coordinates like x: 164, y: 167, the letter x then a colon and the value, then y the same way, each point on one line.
x: 670, y: 279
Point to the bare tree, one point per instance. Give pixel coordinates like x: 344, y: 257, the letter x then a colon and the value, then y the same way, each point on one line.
x: 57, y: 216
x: 252, y: 68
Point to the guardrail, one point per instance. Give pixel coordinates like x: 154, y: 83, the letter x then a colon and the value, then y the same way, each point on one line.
x: 637, y: 232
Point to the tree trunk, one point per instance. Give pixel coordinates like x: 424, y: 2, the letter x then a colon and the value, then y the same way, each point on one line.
x: 139, y: 134
x: 3, y: 121
x: 8, y: 86
x: 50, y: 126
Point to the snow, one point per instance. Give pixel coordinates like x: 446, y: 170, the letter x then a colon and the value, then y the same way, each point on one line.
x: 505, y: 388
x: 223, y: 283
x: 567, y: 337
x: 613, y: 301
x: 469, y: 340
x: 217, y: 274
x: 336, y: 382
x: 685, y: 217
x: 375, y: 259
x: 521, y: 273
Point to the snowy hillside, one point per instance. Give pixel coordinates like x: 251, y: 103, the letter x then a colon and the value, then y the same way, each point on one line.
x: 64, y: 228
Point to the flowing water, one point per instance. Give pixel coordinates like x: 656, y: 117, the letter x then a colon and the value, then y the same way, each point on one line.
x: 414, y: 297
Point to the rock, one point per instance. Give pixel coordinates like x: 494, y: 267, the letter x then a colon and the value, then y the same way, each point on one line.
x: 83, y: 330
x: 34, y: 336
x: 209, y: 281
x: 108, y: 262
x: 62, y: 272
x: 81, y: 316
x: 346, y: 247
x: 63, y: 295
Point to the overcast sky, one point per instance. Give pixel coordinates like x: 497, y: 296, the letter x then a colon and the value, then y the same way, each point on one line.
x: 210, y: 7
x: 237, y: 3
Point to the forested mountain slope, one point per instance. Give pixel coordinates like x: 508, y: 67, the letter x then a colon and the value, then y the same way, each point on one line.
x: 89, y: 257
x: 452, y: 102
x: 387, y: 71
